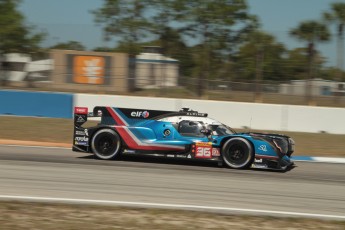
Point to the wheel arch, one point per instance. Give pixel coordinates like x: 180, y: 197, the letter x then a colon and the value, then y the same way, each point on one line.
x: 228, y: 138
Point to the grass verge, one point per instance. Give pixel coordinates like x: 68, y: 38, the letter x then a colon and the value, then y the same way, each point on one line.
x: 61, y: 131
x: 27, y: 215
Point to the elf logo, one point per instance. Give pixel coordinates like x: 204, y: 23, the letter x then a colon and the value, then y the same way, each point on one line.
x: 143, y: 114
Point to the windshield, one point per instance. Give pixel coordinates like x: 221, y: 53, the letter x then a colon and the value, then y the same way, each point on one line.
x: 220, y: 130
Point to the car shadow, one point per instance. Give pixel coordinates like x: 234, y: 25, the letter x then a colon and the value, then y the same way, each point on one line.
x: 178, y: 161
x: 156, y: 160
x: 289, y: 168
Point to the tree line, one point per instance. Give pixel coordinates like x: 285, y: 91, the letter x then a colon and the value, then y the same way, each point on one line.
x: 211, y: 39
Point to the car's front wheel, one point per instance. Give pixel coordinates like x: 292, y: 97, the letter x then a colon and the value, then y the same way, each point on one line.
x: 106, y: 144
x: 238, y: 153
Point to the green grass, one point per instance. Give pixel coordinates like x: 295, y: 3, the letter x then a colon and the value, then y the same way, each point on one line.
x: 26, y: 215
x: 61, y: 131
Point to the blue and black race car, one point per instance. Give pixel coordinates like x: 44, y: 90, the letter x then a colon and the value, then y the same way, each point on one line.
x: 185, y: 134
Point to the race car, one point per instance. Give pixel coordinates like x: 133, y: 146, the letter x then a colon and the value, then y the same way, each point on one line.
x: 184, y: 134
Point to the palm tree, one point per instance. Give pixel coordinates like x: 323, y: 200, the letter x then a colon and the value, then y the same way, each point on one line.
x: 265, y: 53
x: 337, y: 15
x: 310, y: 32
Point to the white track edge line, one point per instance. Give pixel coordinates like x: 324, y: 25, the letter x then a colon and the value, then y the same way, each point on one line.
x: 166, y: 205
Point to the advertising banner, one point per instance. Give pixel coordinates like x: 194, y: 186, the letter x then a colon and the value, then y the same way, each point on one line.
x: 88, y: 69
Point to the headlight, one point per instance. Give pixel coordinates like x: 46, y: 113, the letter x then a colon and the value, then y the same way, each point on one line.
x: 282, y: 144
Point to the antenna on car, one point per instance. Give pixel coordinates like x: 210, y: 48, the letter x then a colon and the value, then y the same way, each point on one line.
x: 250, y: 124
x: 184, y: 110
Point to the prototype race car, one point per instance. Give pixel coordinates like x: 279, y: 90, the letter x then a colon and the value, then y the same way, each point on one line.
x: 185, y: 134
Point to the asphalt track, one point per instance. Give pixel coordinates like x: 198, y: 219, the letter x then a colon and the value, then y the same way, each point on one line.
x: 309, y: 188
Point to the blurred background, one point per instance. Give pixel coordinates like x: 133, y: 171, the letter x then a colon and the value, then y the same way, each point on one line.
x: 284, y: 52
x: 268, y: 65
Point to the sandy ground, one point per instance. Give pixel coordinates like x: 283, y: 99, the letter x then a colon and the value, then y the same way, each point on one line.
x: 33, y: 143
x: 16, y: 215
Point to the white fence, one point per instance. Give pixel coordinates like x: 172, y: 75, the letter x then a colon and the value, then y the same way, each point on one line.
x: 235, y: 114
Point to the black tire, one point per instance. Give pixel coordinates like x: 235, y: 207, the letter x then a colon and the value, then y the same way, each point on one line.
x: 106, y: 144
x: 238, y: 153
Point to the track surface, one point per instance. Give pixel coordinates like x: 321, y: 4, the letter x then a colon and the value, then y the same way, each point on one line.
x: 52, y: 172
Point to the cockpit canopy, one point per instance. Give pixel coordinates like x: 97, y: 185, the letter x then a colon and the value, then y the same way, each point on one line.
x: 193, y: 126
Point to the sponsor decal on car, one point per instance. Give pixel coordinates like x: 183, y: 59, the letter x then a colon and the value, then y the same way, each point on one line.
x: 263, y: 148
x: 129, y: 151
x: 82, y: 133
x: 81, y: 139
x: 196, y: 114
x: 258, y: 160
x: 80, y: 119
x: 215, y: 152
x: 144, y: 114
x: 81, y: 143
x: 202, y: 150
x: 260, y: 166
x: 80, y: 110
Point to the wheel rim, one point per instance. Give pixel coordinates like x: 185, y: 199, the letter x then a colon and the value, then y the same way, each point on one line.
x: 106, y: 145
x: 237, y: 154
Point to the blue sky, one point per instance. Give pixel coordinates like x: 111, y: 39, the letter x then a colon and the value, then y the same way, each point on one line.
x: 66, y: 20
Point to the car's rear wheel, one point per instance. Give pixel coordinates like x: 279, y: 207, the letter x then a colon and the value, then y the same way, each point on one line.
x: 106, y: 144
x: 238, y: 153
